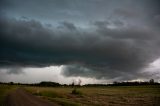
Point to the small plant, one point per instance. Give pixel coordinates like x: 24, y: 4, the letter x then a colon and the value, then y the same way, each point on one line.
x: 76, y: 92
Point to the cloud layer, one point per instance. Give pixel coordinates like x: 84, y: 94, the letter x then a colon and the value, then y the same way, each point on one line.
x: 105, y: 49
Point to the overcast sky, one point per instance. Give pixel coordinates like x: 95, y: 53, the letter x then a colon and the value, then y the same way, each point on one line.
x: 98, y: 41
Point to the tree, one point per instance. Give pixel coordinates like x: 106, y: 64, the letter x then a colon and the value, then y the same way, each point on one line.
x: 151, y: 81
x: 79, y: 82
x: 73, y: 83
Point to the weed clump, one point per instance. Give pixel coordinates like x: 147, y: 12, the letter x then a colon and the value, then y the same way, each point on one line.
x: 76, y: 92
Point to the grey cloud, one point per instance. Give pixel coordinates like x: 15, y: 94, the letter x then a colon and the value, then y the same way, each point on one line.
x: 90, y: 71
x: 126, y: 13
x: 118, y: 23
x: 106, y: 73
x: 15, y: 70
x: 101, y: 24
x: 78, y: 11
x: 118, y: 53
x: 67, y: 25
x: 111, y: 47
x: 4, y: 4
x: 156, y: 19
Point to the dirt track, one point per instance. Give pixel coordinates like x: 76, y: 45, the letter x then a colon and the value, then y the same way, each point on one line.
x: 22, y: 98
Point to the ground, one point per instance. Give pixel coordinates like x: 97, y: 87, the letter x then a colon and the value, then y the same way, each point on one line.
x: 86, y: 96
x: 20, y: 97
x: 102, y: 96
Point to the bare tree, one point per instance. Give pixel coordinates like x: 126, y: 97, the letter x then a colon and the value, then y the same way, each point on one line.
x: 79, y: 82
x: 151, y: 81
x: 73, y: 83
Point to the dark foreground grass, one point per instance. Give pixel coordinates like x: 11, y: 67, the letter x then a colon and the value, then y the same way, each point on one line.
x: 64, y: 102
x: 101, y: 96
x: 4, y: 90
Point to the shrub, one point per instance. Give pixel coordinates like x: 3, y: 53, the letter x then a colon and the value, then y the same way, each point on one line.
x: 76, y: 92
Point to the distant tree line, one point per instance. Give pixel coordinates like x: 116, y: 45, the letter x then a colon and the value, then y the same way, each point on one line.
x: 42, y: 84
x: 135, y: 83
x: 55, y: 84
x: 48, y: 84
x: 127, y: 83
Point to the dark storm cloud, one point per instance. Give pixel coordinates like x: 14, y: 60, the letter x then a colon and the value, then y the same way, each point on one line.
x: 4, y: 4
x: 99, y: 54
x: 67, y: 25
x: 119, y: 46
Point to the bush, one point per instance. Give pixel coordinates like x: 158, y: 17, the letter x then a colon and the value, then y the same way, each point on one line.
x: 76, y: 92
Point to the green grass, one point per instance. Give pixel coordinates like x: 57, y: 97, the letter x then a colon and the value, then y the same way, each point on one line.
x: 101, y: 96
x: 57, y: 95
x: 64, y: 102
x: 49, y: 94
x: 76, y: 92
x: 4, y: 90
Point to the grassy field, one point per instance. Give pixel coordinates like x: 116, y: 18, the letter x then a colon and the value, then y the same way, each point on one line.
x: 100, y: 96
x: 4, y: 90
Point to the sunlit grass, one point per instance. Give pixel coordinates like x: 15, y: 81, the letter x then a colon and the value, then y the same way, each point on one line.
x: 98, y: 96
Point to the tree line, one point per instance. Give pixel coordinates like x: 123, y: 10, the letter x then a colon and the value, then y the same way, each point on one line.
x: 55, y: 84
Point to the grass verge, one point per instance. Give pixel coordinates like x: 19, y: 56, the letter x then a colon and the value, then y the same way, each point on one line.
x: 4, y: 90
x: 64, y: 102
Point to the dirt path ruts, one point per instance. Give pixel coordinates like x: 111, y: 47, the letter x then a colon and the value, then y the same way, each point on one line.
x: 22, y: 98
